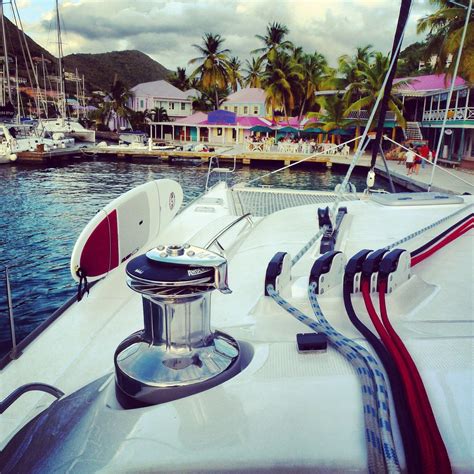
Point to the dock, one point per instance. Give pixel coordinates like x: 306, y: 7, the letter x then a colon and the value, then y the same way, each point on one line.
x: 446, y: 180
x: 243, y: 157
x: 50, y: 156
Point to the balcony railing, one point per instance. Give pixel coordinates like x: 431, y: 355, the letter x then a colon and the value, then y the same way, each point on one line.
x: 466, y: 113
x: 364, y: 115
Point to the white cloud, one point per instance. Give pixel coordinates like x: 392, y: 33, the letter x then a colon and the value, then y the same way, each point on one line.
x: 166, y: 30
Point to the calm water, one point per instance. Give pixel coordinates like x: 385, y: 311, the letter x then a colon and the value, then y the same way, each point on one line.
x: 43, y: 210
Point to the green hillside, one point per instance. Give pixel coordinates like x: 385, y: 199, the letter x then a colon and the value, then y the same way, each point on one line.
x: 131, y: 67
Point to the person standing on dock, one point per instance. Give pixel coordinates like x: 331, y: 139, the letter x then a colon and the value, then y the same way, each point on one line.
x: 410, y: 161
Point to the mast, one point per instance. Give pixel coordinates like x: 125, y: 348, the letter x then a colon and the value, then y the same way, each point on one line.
x: 18, y: 114
x: 44, y: 85
x: 62, y: 92
x: 5, y: 52
x: 396, y: 47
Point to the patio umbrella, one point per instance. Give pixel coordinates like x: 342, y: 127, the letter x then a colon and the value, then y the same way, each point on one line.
x: 313, y: 130
x: 340, y: 131
x: 288, y: 130
x: 261, y: 128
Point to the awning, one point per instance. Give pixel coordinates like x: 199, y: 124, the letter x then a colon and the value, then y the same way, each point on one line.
x: 288, y: 130
x: 261, y: 128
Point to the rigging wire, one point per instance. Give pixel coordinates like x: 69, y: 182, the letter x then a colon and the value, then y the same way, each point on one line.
x: 450, y: 94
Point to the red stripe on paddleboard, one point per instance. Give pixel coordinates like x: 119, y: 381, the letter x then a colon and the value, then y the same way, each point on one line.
x: 100, y: 252
x: 114, y: 240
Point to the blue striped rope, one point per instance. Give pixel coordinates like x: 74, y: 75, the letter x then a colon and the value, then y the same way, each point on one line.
x: 380, y: 447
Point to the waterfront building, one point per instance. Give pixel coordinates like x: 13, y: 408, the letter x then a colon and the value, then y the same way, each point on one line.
x: 217, y: 127
x: 156, y: 94
x: 425, y: 104
x: 248, y: 102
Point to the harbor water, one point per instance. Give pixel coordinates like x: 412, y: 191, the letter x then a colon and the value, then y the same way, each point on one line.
x: 43, y: 210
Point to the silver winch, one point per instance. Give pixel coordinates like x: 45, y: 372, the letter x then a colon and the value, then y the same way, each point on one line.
x: 176, y: 354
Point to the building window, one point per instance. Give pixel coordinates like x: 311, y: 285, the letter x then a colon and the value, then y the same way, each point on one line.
x: 183, y: 106
x: 142, y: 104
x: 219, y: 131
x: 255, y: 109
x: 171, y: 105
x: 157, y: 103
x: 236, y: 109
x: 225, y: 107
x: 246, y: 110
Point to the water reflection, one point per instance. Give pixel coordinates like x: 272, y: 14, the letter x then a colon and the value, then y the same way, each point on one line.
x: 43, y: 209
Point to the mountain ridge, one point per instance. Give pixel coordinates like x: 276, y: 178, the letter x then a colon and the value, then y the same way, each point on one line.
x: 131, y: 66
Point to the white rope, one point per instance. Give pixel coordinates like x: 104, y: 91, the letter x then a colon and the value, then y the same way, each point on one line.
x: 451, y: 89
x: 429, y: 162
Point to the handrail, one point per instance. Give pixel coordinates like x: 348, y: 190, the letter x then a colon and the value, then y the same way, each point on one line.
x: 227, y: 227
x: 29, y: 387
x: 210, y: 170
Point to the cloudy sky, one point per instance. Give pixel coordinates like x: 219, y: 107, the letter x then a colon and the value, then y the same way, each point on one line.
x: 167, y: 29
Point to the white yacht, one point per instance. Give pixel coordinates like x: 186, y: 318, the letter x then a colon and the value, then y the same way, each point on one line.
x: 25, y: 139
x: 255, y: 330
x: 151, y: 376
x: 69, y: 127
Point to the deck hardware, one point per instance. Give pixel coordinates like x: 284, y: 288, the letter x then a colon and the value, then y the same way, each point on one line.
x: 278, y: 272
x: 329, y: 238
x: 395, y: 269
x: 370, y: 268
x: 311, y: 342
x: 327, y: 271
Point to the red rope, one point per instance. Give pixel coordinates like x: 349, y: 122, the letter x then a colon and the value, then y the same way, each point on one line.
x: 423, y: 435
x: 441, y: 454
x: 445, y: 241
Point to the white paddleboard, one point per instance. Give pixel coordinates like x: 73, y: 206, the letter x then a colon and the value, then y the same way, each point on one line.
x: 124, y: 227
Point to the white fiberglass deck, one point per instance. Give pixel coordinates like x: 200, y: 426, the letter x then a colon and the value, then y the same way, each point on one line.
x: 286, y: 410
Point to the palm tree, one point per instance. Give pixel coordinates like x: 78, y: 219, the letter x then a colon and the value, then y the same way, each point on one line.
x: 274, y: 41
x: 235, y: 78
x: 349, y: 66
x: 179, y: 79
x: 369, y: 85
x: 314, y: 71
x: 214, y: 68
x: 332, y: 115
x: 158, y: 114
x: 281, y: 78
x: 117, y: 101
x: 445, y: 28
x: 253, y: 72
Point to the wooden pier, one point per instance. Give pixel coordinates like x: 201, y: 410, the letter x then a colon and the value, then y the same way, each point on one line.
x: 245, y: 157
x: 50, y: 156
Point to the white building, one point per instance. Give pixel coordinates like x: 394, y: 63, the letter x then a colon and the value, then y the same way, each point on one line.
x: 156, y: 94
x: 248, y: 102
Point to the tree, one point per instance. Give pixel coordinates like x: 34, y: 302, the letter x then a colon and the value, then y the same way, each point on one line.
x: 332, y: 115
x: 214, y: 68
x: 179, y: 79
x: 282, y: 78
x: 253, y: 72
x: 158, y: 114
x: 274, y: 41
x: 369, y: 85
x: 117, y: 101
x: 445, y: 27
x: 313, y: 70
x: 349, y: 69
x: 235, y: 78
